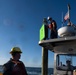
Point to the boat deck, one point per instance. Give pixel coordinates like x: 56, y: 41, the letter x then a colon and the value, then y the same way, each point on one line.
x: 51, y: 43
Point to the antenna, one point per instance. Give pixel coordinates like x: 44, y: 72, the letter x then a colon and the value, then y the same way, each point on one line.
x: 69, y: 12
x: 62, y: 20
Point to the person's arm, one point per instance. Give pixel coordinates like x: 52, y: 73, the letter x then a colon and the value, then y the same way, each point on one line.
x: 6, y: 71
x: 24, y: 67
x: 7, y: 68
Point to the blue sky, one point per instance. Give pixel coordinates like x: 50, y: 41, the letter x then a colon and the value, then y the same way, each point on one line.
x: 20, y: 21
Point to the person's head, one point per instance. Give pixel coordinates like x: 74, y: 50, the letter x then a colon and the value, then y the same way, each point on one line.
x: 68, y: 62
x: 49, y: 19
x: 53, y: 22
x: 16, y: 53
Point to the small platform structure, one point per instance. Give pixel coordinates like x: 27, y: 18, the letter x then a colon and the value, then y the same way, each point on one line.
x: 62, y: 47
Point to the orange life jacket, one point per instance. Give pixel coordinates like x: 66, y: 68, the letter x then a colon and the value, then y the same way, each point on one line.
x: 51, y: 26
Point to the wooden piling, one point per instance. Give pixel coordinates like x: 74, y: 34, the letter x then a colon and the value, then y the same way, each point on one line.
x: 44, y: 61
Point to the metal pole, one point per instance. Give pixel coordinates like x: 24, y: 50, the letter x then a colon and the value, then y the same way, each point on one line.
x: 62, y: 20
x: 69, y: 13
x: 44, y: 61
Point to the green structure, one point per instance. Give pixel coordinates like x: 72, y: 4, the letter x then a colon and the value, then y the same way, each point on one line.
x: 43, y: 32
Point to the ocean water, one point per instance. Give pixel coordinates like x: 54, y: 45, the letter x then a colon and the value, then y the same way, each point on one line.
x: 33, y: 70
x: 37, y: 71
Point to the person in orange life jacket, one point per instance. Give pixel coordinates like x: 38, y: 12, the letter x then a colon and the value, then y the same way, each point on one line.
x: 14, y: 66
x: 53, y: 28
